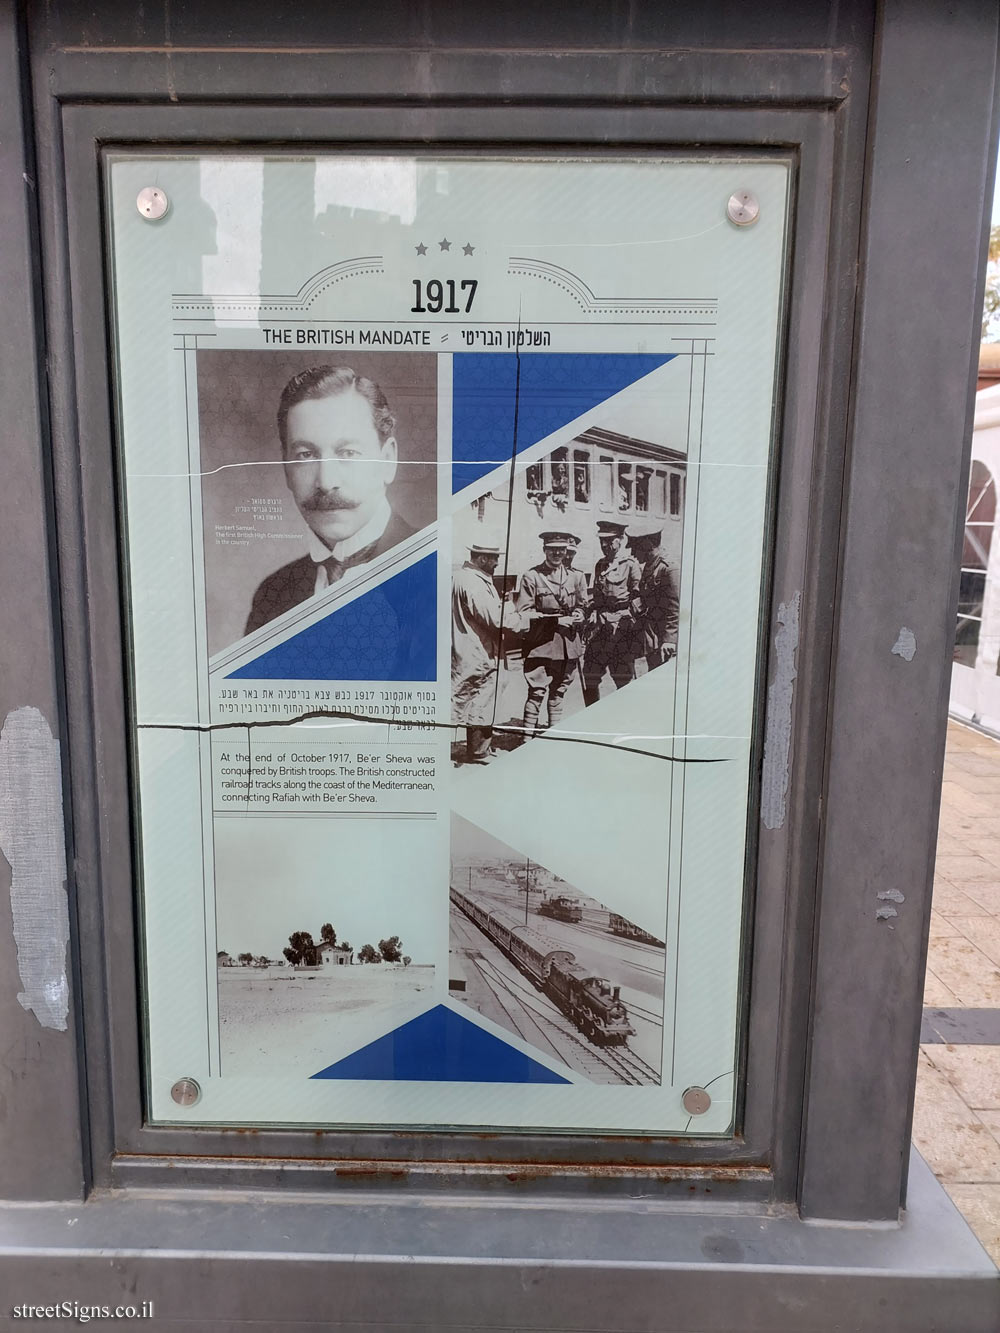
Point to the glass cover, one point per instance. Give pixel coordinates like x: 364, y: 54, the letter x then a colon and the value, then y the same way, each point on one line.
x: 445, y: 486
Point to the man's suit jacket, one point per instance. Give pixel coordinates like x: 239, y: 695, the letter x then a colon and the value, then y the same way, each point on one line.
x: 296, y: 582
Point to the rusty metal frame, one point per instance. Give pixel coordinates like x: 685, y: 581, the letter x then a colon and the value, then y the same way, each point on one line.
x: 412, y: 1232
x: 742, y: 1164
x: 808, y: 101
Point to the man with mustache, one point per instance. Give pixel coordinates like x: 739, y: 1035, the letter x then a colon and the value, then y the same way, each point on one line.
x: 552, y: 601
x: 338, y: 444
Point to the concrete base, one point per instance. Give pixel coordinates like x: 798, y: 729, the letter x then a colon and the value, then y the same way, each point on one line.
x: 234, y: 1260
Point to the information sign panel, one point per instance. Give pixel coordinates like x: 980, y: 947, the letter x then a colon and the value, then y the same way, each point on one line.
x: 445, y: 485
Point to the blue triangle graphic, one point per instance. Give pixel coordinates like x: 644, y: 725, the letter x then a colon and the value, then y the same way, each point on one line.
x: 441, y: 1047
x: 389, y: 633
x: 553, y: 389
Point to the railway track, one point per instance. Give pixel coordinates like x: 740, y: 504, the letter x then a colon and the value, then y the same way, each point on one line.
x: 629, y: 1062
x: 650, y: 1015
x: 623, y: 940
x: 523, y: 1005
x: 512, y: 1006
x: 571, y: 1050
x: 587, y: 926
x: 624, y: 1063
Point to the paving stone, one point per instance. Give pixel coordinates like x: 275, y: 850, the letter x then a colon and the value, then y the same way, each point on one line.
x: 982, y: 931
x: 979, y: 1204
x: 961, y: 736
x: 973, y: 1071
x: 966, y: 803
x: 942, y: 925
x: 947, y: 845
x: 952, y: 824
x: 959, y: 1139
x: 965, y: 868
x: 951, y: 902
x: 982, y: 844
x: 982, y: 891
x: 953, y: 1140
x: 966, y: 971
x: 990, y: 828
x: 960, y: 1026
x: 936, y: 993
x: 972, y: 761
x: 981, y: 784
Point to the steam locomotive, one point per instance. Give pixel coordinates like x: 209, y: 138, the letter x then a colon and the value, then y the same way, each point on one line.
x: 591, y: 1003
x: 561, y: 908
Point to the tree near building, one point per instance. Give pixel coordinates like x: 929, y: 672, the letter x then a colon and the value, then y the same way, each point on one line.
x: 302, y: 950
x: 246, y: 959
x: 327, y: 934
x: 391, y: 949
x: 368, y: 954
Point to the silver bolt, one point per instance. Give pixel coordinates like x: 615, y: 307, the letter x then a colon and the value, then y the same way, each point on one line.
x: 743, y: 208
x: 152, y: 203
x: 696, y: 1101
x: 186, y: 1092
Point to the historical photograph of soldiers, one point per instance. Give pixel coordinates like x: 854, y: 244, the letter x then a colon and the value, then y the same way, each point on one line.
x: 566, y: 587
x: 554, y: 966
x: 314, y: 465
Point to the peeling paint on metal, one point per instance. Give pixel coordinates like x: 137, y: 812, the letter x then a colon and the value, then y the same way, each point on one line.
x: 905, y: 645
x: 884, y: 913
x: 32, y: 837
x: 778, y: 734
x: 892, y: 896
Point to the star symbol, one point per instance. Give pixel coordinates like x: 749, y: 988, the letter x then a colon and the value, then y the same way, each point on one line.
x: 468, y: 248
x: 444, y: 245
x: 421, y: 249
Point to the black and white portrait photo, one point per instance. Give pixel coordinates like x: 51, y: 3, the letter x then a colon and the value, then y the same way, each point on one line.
x: 314, y: 464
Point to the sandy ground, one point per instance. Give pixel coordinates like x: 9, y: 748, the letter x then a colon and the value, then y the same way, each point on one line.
x: 509, y: 711
x: 276, y: 1021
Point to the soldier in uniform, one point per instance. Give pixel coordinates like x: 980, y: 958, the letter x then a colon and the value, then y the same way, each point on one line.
x: 476, y: 627
x: 658, y: 603
x: 611, y: 645
x: 552, y: 600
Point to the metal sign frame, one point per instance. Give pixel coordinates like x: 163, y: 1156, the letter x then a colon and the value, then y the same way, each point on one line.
x: 848, y: 726
x: 88, y: 128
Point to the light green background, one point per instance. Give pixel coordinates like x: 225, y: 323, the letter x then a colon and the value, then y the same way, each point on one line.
x: 664, y: 844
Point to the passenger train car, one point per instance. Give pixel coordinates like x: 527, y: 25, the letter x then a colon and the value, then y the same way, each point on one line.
x: 599, y: 475
x: 591, y: 1003
x: 620, y: 925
